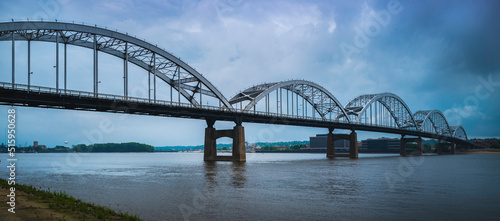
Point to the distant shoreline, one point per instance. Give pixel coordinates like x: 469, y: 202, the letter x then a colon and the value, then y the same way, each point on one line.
x: 81, y: 152
x: 479, y: 151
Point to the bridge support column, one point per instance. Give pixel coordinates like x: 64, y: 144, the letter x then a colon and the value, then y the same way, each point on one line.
x: 211, y: 136
x: 239, y: 151
x: 330, y: 144
x: 417, y: 140
x: 452, y: 148
x: 353, y: 146
x: 210, y: 147
x: 420, y: 147
x: 402, y: 143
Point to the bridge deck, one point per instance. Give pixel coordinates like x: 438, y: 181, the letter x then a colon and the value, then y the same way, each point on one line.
x: 77, y: 100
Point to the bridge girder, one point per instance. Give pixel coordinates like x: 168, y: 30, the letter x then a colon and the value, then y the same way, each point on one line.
x: 318, y: 97
x: 179, y: 75
x: 399, y: 111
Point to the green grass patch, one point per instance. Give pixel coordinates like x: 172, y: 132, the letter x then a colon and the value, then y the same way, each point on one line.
x: 62, y: 202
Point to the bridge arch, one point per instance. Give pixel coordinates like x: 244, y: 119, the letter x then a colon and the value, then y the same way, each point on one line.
x: 437, y: 119
x: 318, y: 97
x: 179, y: 75
x: 458, y: 132
x: 359, y: 110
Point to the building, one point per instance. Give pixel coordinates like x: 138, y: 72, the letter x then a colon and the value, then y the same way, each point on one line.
x: 319, y: 143
x: 381, y: 144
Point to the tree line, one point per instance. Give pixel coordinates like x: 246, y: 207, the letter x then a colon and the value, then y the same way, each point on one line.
x: 95, y: 148
x: 114, y: 147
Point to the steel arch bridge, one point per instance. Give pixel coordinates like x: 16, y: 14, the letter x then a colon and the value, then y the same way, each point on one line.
x: 432, y: 121
x: 458, y: 132
x: 384, y: 109
x: 320, y: 99
x: 292, y: 102
x: 158, y: 62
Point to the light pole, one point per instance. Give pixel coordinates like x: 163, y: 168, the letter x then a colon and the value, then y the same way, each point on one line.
x: 149, y: 95
x: 97, y: 91
x: 29, y: 80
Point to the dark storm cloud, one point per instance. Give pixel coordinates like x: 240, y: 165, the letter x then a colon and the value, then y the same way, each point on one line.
x: 431, y: 53
x: 467, y: 34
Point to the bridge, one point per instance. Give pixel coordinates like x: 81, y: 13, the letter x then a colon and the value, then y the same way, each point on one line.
x: 175, y: 89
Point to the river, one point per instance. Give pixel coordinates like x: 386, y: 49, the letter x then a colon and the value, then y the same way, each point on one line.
x: 273, y: 186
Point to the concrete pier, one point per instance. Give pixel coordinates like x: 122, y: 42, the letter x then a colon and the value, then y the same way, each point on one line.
x: 353, y: 144
x: 239, y: 152
x: 211, y: 136
x: 330, y: 144
x: 417, y: 140
x: 210, y: 146
x: 451, y: 146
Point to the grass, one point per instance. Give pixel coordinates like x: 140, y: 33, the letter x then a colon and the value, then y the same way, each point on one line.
x: 63, y: 203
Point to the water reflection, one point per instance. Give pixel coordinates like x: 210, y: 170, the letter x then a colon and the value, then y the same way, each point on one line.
x: 343, y: 178
x: 344, y: 186
x: 216, y: 172
x: 211, y: 174
x: 238, y: 177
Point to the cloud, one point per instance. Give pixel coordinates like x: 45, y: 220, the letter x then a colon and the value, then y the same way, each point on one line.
x: 456, y: 115
x: 430, y: 54
x: 331, y: 26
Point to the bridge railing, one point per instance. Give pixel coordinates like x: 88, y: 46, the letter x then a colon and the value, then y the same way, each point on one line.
x: 76, y: 93
x: 86, y: 94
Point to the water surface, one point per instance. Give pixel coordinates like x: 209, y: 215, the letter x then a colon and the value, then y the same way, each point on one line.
x: 269, y: 186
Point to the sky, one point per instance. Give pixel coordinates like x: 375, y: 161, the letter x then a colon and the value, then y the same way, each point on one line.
x: 440, y: 55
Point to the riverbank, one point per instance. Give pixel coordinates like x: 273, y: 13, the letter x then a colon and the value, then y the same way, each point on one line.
x: 481, y: 151
x: 35, y: 204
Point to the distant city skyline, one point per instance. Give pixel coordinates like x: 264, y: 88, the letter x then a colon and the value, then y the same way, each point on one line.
x: 434, y: 55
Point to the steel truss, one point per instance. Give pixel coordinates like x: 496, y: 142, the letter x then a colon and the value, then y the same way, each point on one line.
x: 432, y: 121
x: 158, y: 62
x: 374, y: 112
x: 458, y: 132
x: 384, y: 109
x: 320, y: 99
